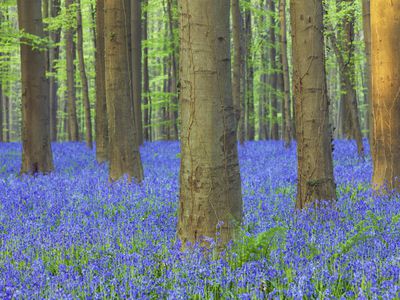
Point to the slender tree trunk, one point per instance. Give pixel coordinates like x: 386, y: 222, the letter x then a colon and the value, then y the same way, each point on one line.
x: 73, y: 131
x: 146, y: 87
x: 367, y: 41
x: 242, y: 119
x: 273, y: 76
x: 124, y: 152
x: 385, y: 29
x: 350, y: 119
x: 101, y: 104
x: 314, y: 149
x: 250, y: 120
x: 54, y: 54
x: 262, y: 102
x: 210, y: 195
x: 136, y: 30
x: 174, y: 74
x: 84, y: 81
x: 237, y: 57
x: 36, y: 153
x: 287, y: 135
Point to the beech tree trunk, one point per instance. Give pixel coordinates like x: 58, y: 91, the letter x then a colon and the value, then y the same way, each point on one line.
x: 73, y: 131
x: 237, y: 57
x: 385, y: 29
x: 210, y: 194
x: 250, y: 120
x: 287, y: 134
x: 36, y: 147
x: 54, y: 55
x: 124, y: 152
x: 146, y: 87
x: 84, y: 81
x: 273, y: 76
x: 367, y: 42
x: 314, y: 149
x: 101, y: 123
x: 136, y: 31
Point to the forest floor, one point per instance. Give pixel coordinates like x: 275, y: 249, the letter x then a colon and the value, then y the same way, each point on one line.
x: 73, y: 235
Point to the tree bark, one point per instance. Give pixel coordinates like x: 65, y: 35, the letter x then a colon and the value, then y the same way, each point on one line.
x: 123, y: 147
x: 101, y: 123
x: 273, y: 76
x: 250, y: 120
x: 385, y: 29
x: 210, y: 194
x: 54, y: 55
x: 146, y: 86
x: 237, y: 57
x: 36, y: 147
x: 173, y: 109
x: 84, y: 81
x: 136, y: 31
x: 367, y: 42
x: 73, y: 130
x: 287, y: 134
x: 314, y: 149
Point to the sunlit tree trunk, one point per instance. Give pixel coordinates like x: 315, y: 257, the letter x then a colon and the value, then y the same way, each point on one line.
x: 101, y: 124
x: 36, y: 147
x: 124, y: 152
x: 314, y: 149
x: 210, y: 190
x: 73, y: 131
x: 385, y: 29
x: 84, y: 81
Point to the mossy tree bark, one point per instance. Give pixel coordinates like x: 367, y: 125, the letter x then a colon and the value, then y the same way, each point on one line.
x: 385, y: 29
x: 210, y: 190
x: 124, y: 152
x: 314, y: 149
x: 36, y: 147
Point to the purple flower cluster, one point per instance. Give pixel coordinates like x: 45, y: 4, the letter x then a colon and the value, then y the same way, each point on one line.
x: 73, y: 235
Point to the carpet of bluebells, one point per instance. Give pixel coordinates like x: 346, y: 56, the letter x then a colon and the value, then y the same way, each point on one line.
x: 73, y: 235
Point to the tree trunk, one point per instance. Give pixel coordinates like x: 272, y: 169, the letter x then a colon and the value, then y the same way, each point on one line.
x: 287, y: 135
x: 250, y: 124
x: 136, y: 31
x: 367, y: 41
x: 73, y: 131
x: 242, y: 119
x: 314, y: 149
x: 7, y: 117
x: 273, y: 76
x: 345, y: 57
x: 385, y: 29
x: 146, y: 87
x: 174, y: 75
x: 123, y: 147
x: 237, y: 57
x: 210, y: 194
x: 36, y: 152
x: 54, y: 55
x: 101, y: 123
x: 84, y: 81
